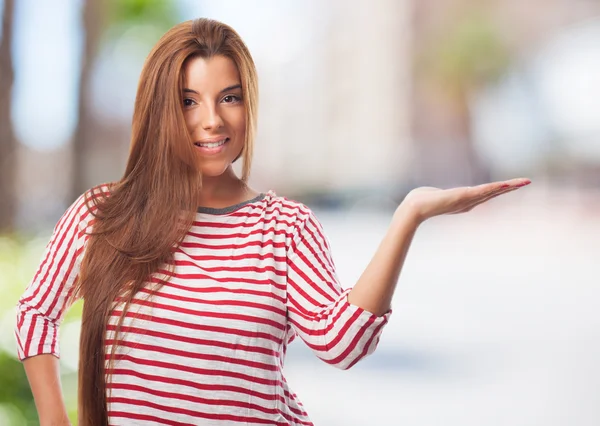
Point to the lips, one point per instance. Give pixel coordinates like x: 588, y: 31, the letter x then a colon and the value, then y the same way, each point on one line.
x: 212, y: 142
x: 212, y: 146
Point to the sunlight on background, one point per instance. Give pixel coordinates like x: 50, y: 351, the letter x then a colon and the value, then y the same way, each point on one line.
x: 45, y: 90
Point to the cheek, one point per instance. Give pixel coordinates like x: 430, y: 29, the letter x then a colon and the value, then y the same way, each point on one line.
x: 190, y: 120
x: 241, y: 129
x: 237, y: 121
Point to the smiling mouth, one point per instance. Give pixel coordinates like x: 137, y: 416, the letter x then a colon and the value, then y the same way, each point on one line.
x: 212, y: 145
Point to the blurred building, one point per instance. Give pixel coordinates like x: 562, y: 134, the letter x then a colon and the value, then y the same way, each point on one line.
x: 368, y: 97
x: 335, y: 94
x: 502, y: 123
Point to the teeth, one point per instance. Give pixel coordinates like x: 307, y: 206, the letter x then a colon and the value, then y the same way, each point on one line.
x: 212, y: 144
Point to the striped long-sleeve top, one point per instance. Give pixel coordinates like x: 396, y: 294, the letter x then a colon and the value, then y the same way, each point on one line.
x: 208, y: 348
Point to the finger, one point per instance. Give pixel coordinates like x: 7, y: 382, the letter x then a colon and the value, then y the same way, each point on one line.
x: 471, y: 197
x: 518, y: 182
x: 487, y: 189
x: 465, y: 198
x: 482, y: 200
x: 489, y: 197
x: 480, y: 193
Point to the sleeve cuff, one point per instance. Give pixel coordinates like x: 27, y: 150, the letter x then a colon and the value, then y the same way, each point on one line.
x: 363, y: 312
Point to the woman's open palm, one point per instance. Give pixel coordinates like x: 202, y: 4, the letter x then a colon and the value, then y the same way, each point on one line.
x: 427, y: 202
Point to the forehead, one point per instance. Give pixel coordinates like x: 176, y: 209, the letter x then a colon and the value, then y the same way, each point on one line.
x: 210, y: 75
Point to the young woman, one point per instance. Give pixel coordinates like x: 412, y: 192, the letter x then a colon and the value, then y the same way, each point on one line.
x: 188, y: 310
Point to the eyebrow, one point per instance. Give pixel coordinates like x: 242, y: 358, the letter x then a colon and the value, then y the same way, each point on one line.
x: 228, y: 88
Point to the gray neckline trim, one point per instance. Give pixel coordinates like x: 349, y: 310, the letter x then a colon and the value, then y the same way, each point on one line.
x: 225, y: 210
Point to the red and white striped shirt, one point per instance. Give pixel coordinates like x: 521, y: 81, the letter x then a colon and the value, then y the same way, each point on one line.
x: 209, y: 347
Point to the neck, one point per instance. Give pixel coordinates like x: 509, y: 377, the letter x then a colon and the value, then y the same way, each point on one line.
x: 221, y: 188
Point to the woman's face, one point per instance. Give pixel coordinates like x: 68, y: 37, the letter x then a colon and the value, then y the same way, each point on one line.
x: 214, y: 112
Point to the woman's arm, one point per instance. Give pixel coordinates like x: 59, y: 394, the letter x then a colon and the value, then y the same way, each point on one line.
x: 318, y: 310
x: 42, y: 307
x: 375, y: 288
x: 43, y: 373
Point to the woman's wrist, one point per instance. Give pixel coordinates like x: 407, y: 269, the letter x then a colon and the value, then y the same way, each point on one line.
x: 408, y: 214
x: 60, y: 421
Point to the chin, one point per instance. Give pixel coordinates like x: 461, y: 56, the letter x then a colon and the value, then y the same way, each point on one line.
x: 215, y: 167
x: 213, y: 170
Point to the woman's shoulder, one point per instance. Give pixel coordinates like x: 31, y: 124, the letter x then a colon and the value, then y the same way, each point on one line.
x: 285, y: 202
x: 80, y: 213
x: 97, y: 193
x: 287, y: 206
x: 87, y: 203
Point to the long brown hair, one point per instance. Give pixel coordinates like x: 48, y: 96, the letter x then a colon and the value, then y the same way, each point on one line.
x: 149, y: 210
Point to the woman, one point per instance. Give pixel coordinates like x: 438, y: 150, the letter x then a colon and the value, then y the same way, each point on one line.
x: 188, y: 310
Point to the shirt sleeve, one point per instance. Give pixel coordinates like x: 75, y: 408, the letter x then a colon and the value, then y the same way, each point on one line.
x: 45, y: 300
x: 337, y: 331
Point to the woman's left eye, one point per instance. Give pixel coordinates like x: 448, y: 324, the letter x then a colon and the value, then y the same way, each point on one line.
x: 229, y: 99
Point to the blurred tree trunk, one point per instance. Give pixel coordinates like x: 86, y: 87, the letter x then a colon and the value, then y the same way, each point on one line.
x: 93, y: 19
x: 458, y: 51
x: 8, y: 143
x: 120, y: 16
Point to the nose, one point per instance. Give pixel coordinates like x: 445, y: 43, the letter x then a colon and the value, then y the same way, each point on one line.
x: 211, y: 119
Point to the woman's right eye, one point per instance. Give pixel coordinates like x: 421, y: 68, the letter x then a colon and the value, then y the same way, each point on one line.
x: 188, y: 102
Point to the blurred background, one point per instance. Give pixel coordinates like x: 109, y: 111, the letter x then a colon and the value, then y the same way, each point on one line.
x: 495, y: 317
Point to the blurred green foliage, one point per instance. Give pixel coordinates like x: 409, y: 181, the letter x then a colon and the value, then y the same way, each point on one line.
x: 19, y: 259
x: 141, y: 12
x: 150, y: 19
x: 20, y: 255
x: 470, y: 52
x: 15, y: 392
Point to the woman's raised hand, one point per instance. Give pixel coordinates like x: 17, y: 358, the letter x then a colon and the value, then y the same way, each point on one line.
x: 426, y: 202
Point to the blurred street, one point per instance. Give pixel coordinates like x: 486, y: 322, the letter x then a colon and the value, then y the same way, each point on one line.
x: 495, y: 321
